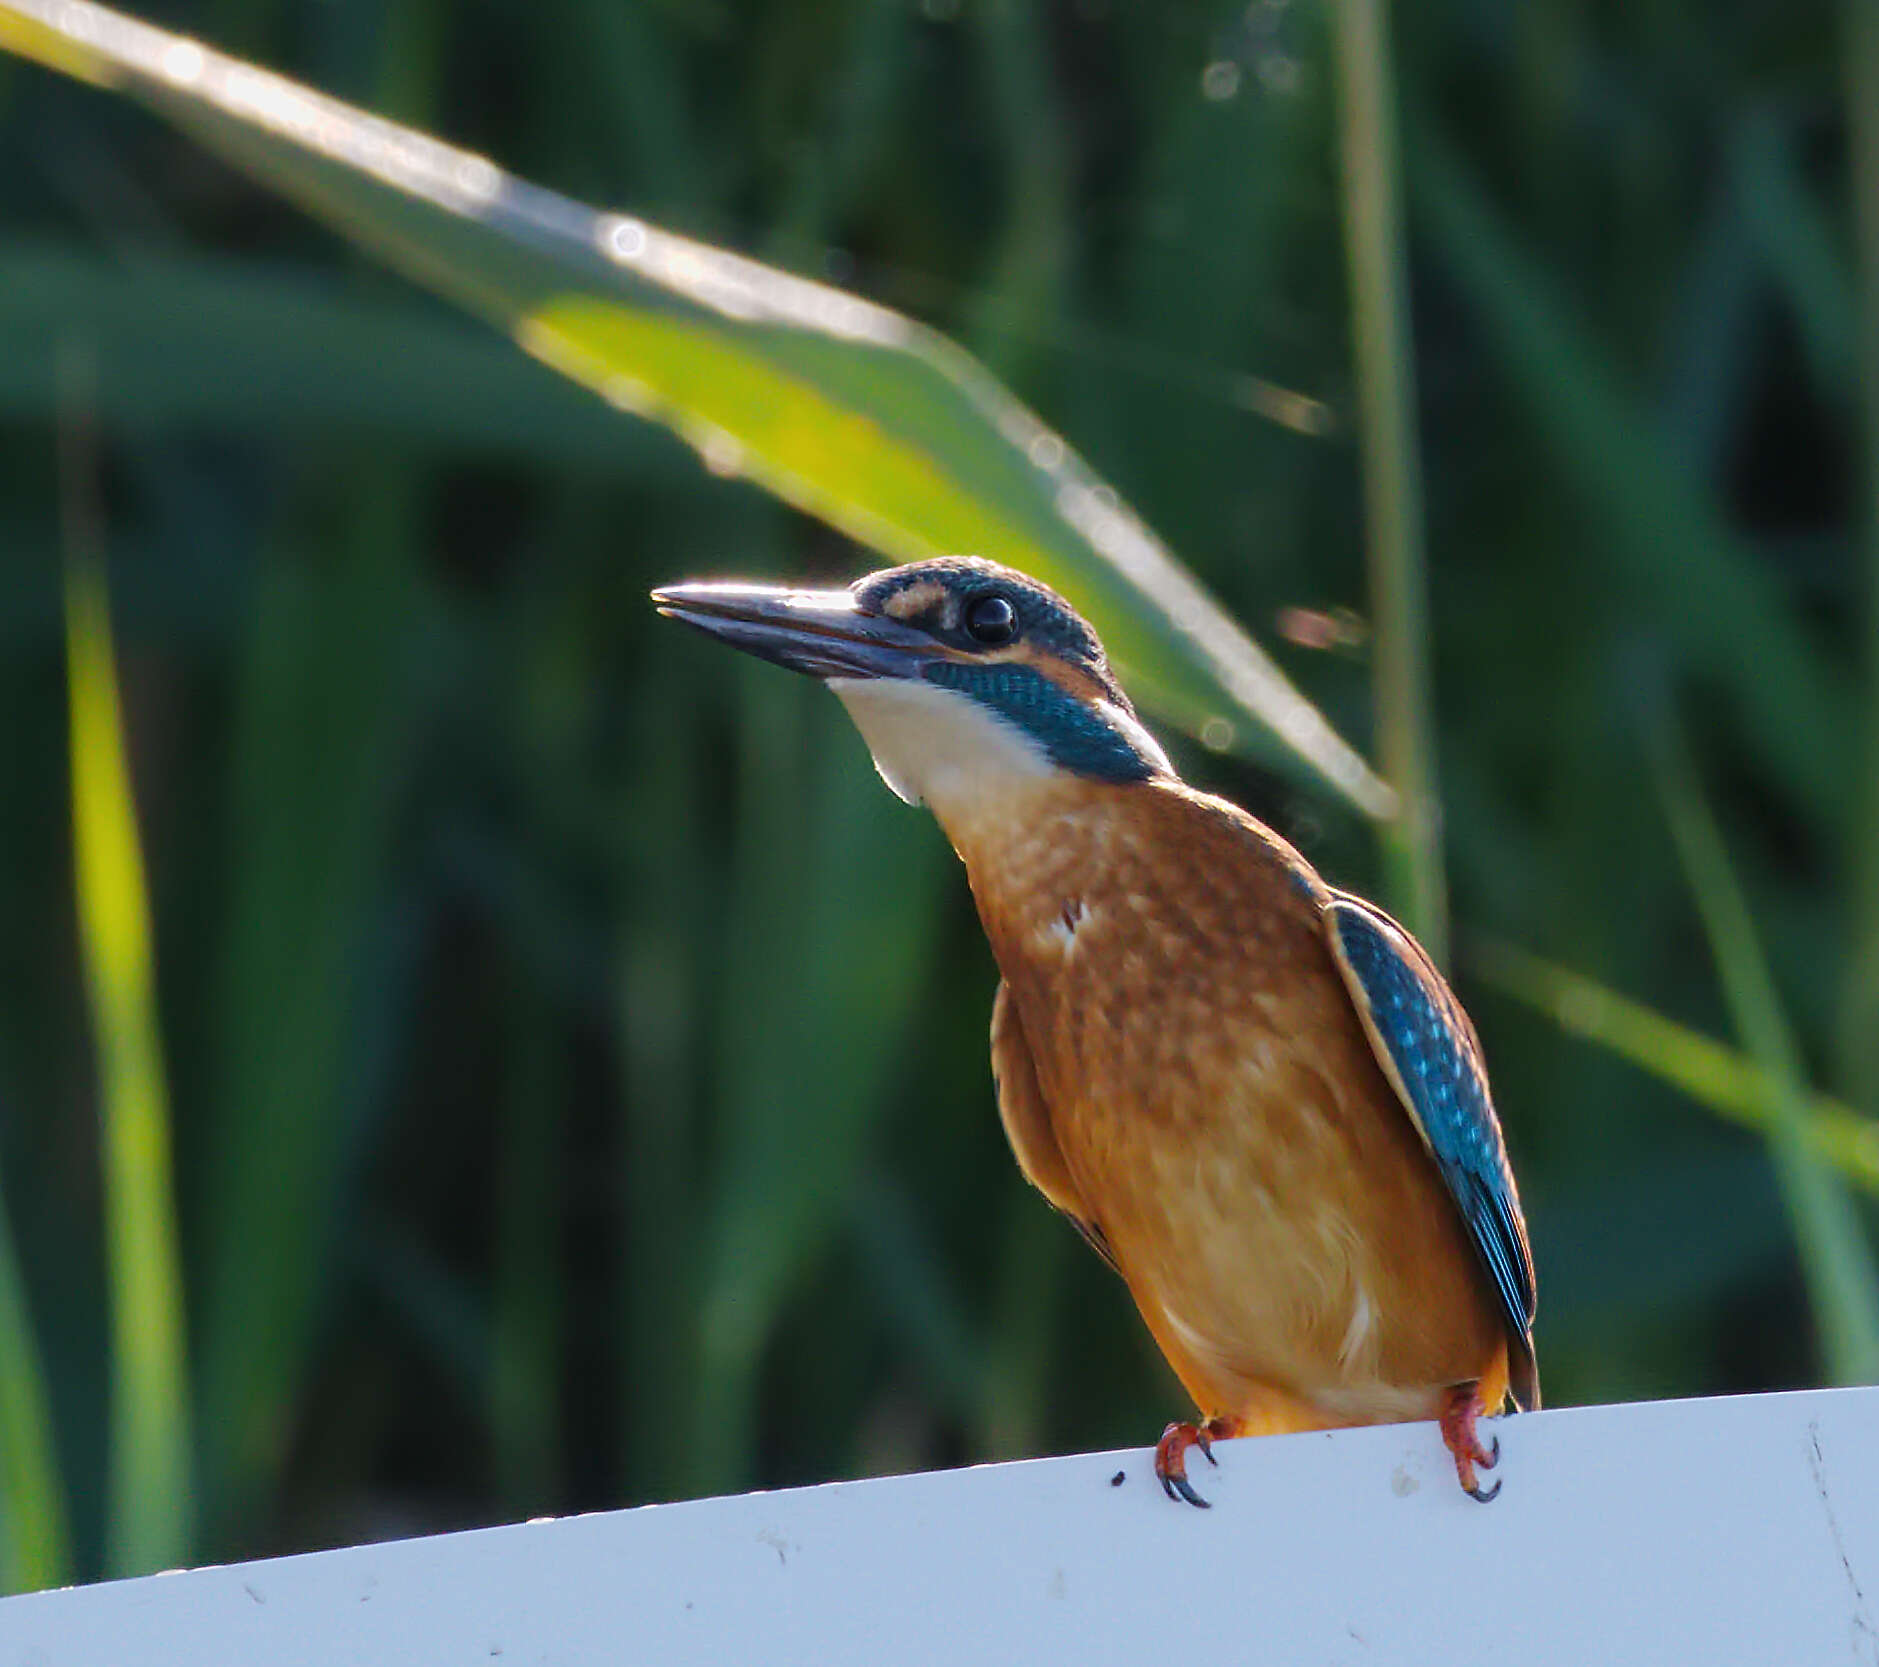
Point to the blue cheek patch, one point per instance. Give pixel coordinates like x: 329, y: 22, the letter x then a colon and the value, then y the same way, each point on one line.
x: 1072, y: 735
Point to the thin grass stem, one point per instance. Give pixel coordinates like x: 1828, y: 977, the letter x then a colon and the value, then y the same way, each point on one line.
x: 1836, y: 1256
x: 35, y: 1540
x: 1376, y: 250
x: 151, y: 1507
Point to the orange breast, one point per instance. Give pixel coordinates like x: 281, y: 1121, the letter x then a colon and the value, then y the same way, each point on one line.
x: 1221, y: 1115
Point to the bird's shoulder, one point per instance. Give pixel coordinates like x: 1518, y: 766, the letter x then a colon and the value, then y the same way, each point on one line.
x: 1185, y: 820
x: 1204, y: 861
x: 1136, y: 897
x: 1159, y: 843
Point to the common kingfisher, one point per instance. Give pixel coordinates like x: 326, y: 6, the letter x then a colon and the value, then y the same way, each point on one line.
x: 1252, y: 1093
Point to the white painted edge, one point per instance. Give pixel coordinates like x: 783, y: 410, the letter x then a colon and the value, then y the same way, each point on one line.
x: 1742, y: 1530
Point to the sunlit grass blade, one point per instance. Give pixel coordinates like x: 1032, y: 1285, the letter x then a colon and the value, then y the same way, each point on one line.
x: 1714, y: 1075
x: 152, y: 1495
x: 1836, y: 1255
x: 1386, y: 387
x: 35, y: 1543
x: 847, y: 410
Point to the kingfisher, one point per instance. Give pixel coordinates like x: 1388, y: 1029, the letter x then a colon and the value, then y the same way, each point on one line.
x: 1252, y: 1093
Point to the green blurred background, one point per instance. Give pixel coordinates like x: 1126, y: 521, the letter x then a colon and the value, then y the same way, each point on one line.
x: 575, y: 1061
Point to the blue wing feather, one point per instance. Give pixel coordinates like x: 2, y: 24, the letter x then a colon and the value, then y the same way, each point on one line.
x: 1429, y: 1051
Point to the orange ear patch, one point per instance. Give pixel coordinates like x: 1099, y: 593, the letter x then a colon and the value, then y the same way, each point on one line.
x: 915, y: 602
x: 1073, y: 680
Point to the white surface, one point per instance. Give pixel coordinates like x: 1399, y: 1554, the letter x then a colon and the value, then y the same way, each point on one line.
x: 1708, y: 1532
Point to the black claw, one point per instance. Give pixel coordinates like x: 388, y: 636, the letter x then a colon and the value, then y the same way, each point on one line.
x: 1207, y: 1447
x: 1181, y: 1485
x: 1484, y: 1495
x: 1494, y: 1455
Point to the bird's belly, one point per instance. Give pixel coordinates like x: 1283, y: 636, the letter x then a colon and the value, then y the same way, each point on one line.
x: 1288, y: 1240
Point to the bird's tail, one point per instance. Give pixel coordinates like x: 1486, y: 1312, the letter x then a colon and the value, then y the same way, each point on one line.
x: 1523, y: 1374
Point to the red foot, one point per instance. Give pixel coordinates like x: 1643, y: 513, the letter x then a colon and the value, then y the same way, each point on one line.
x: 1464, y: 1443
x: 1171, y: 1454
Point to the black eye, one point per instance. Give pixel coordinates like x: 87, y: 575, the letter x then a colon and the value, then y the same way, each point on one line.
x: 991, y: 620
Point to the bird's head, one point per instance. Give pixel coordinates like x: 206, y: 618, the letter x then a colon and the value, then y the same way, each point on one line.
x: 968, y: 680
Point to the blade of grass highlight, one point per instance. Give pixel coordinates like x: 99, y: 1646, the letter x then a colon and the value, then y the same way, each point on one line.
x: 35, y: 1541
x: 1383, y: 348
x: 851, y: 412
x: 1836, y: 1256
x: 151, y: 1509
x: 1716, y: 1076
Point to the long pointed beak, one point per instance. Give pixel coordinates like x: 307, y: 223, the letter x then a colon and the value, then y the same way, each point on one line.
x: 820, y: 632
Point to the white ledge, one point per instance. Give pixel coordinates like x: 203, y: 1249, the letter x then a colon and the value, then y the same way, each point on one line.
x: 1719, y: 1531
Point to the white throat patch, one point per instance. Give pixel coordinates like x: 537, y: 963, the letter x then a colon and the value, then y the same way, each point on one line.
x: 937, y: 746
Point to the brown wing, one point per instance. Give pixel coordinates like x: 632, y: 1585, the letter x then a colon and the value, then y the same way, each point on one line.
x: 1026, y: 1118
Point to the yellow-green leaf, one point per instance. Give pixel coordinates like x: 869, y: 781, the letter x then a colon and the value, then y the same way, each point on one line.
x: 881, y: 426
